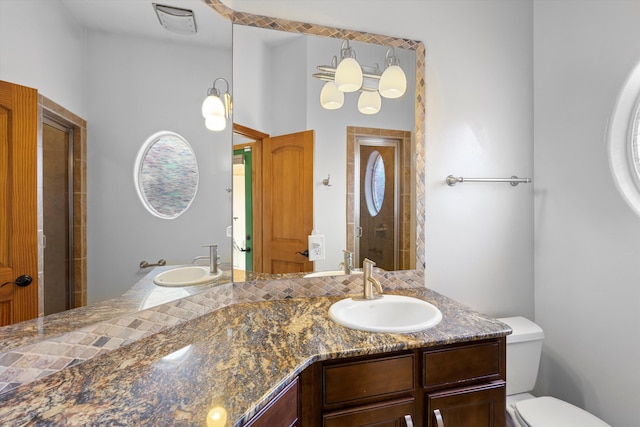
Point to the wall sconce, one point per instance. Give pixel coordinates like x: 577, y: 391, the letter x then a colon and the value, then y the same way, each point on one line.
x: 216, y: 108
x: 350, y: 76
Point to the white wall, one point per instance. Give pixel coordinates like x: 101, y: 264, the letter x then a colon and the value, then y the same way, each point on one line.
x: 43, y: 47
x: 587, y: 291
x: 136, y: 88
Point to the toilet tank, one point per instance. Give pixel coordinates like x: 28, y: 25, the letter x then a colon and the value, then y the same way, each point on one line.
x: 524, y: 347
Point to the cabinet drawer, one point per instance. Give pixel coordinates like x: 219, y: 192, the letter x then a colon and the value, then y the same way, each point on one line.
x: 350, y: 382
x: 282, y: 411
x: 380, y: 415
x: 459, y: 365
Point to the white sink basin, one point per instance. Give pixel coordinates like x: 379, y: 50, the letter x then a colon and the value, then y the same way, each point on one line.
x: 391, y: 313
x: 329, y: 273
x: 186, y: 276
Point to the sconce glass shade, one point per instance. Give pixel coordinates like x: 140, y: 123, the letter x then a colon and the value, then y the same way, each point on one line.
x: 349, y: 75
x: 393, y: 82
x: 215, y: 123
x: 369, y: 102
x: 212, y: 106
x: 330, y: 97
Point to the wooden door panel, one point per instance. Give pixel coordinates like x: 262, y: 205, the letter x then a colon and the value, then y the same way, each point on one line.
x: 287, y: 202
x: 18, y: 201
x: 479, y: 406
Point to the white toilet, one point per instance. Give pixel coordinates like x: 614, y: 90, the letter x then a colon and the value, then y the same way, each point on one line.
x: 524, y: 347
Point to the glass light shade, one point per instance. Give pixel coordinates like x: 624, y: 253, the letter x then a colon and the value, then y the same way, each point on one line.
x: 215, y: 123
x: 369, y: 102
x: 211, y: 106
x: 348, y: 75
x: 393, y: 82
x: 330, y: 97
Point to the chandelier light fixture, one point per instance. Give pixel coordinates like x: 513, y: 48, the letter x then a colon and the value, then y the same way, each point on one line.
x: 216, y: 108
x: 349, y: 76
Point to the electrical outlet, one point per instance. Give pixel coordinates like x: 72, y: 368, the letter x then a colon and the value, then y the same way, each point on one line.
x: 316, y: 247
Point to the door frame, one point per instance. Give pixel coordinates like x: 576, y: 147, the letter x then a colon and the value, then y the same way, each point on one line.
x: 406, y: 175
x: 256, y: 185
x: 247, y: 161
x: 50, y: 110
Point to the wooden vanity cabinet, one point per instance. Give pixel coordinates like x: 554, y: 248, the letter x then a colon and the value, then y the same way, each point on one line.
x: 282, y: 410
x: 447, y: 386
x: 362, y: 391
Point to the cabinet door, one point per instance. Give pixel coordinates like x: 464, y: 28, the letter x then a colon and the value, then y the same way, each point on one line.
x: 476, y: 406
x: 386, y: 414
x: 282, y: 411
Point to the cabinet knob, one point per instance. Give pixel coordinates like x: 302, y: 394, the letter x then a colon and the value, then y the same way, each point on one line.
x: 439, y: 419
x: 408, y: 420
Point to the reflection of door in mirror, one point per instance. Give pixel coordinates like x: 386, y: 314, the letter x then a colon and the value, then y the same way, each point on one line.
x: 287, y: 215
x: 389, y: 197
x: 280, y: 180
x: 242, y: 212
x: 377, y: 219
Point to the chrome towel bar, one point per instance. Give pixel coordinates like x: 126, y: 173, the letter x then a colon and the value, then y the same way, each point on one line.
x: 145, y: 264
x: 514, y: 180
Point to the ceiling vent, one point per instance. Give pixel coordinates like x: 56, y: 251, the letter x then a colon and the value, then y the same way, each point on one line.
x: 174, y: 19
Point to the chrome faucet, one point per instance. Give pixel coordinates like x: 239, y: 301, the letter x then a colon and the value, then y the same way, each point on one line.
x: 213, y: 258
x: 347, y: 264
x: 369, y: 282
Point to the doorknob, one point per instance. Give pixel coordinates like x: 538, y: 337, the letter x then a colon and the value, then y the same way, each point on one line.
x: 22, y: 281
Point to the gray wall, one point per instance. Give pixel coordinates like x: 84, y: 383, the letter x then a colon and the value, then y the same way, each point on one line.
x: 137, y: 87
x: 587, y: 291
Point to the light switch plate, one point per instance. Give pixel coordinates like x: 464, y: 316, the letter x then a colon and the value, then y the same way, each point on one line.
x: 316, y: 247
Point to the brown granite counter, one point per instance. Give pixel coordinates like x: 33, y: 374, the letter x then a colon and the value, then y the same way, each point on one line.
x: 142, y: 295
x: 236, y: 357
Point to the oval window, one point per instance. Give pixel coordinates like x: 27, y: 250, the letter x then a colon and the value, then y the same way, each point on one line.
x: 623, y: 140
x: 166, y: 175
x: 374, y: 183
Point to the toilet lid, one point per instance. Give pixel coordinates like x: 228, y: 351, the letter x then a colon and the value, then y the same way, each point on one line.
x: 552, y: 412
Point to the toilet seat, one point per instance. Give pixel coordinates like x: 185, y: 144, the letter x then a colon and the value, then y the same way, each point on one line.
x: 551, y: 412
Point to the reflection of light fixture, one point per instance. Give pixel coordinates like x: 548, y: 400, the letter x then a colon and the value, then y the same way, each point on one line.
x: 369, y: 102
x: 349, y: 76
x: 331, y: 97
x: 216, y: 108
x: 217, y: 417
x: 175, y: 19
x: 393, y: 82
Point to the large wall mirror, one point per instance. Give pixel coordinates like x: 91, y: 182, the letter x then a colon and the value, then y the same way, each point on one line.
x: 275, y: 95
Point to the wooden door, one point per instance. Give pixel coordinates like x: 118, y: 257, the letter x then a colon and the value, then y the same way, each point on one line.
x: 378, y: 205
x: 18, y: 202
x: 287, y: 167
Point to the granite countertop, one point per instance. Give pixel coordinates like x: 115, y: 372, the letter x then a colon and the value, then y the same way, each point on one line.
x: 237, y: 358
x: 142, y: 295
